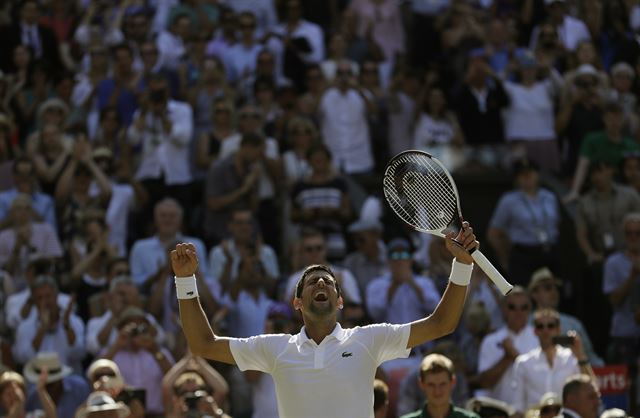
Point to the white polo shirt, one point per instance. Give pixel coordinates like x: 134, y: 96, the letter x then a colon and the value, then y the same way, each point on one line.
x: 332, y: 379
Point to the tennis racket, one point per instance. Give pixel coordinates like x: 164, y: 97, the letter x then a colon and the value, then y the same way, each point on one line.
x: 423, y: 194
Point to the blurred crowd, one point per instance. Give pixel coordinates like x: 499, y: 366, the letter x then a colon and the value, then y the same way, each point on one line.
x: 258, y: 130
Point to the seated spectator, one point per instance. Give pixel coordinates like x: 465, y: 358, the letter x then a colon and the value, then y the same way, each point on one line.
x: 544, y: 290
x: 369, y: 260
x: 67, y: 390
x: 313, y: 250
x: 13, y: 396
x: 25, y: 237
x: 8, y: 149
x: 322, y: 201
x: 120, y: 89
x: 52, y: 329
x: 499, y: 350
x: 209, y: 142
x: 546, y: 368
x: 191, y: 374
x: 24, y: 181
x: 302, y: 134
x: 549, y: 406
x: 225, y: 258
x: 380, y: 399
x: 102, y: 331
x: 525, y: 226
x: 400, y: 296
x: 580, y: 397
x: 141, y: 360
x: 609, y: 145
x: 100, y: 404
x: 437, y: 380
x: 621, y: 91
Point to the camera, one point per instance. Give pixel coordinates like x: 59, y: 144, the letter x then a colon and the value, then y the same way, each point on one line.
x: 563, y: 340
x: 191, y: 399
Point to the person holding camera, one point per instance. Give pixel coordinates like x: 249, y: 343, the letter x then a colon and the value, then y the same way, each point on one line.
x: 142, y: 361
x: 546, y: 368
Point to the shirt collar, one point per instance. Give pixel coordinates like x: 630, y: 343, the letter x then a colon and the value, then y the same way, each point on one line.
x: 338, y: 333
x: 425, y: 411
x: 570, y: 412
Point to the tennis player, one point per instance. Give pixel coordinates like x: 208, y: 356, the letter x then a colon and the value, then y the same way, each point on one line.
x: 325, y: 370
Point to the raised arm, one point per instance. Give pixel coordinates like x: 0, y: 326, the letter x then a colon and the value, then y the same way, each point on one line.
x: 446, y: 316
x: 195, y: 325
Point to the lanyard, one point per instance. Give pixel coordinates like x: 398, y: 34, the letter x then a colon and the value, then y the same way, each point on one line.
x: 528, y: 204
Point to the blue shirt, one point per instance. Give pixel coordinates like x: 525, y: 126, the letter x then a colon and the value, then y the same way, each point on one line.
x: 524, y: 218
x: 43, y: 205
x: 75, y: 392
x: 126, y: 103
x: 617, y: 269
x: 148, y: 255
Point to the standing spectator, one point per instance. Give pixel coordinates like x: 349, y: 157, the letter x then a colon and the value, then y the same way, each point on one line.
x: 500, y: 349
x: 369, y: 260
x: 120, y: 90
x: 437, y: 380
x: 223, y: 127
x: 621, y: 285
x: 66, y: 390
x: 25, y: 237
x: 524, y: 229
x: 210, y: 89
x: 343, y: 113
x: 50, y: 151
x: 54, y: 328
x: 264, y: 12
x: 621, y: 91
x: 301, y: 136
x: 240, y: 59
x: 337, y: 52
x: 570, y: 30
x: 400, y: 296
x: 580, y: 397
x: 172, y: 43
x: 28, y: 31
x: 24, y: 181
x: 383, y: 19
x: 232, y: 183
x: 163, y: 130
x: 479, y: 102
x: 544, y: 290
x: 545, y: 369
x: 404, y: 93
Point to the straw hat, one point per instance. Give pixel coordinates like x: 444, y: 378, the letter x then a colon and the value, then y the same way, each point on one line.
x: 49, y: 361
x: 101, y: 401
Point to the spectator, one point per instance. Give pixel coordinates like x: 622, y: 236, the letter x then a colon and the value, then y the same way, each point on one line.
x: 545, y: 369
x: 225, y: 36
x: 302, y: 134
x: 337, y: 52
x: 49, y: 150
x: 25, y: 237
x: 102, y: 331
x: 141, y: 360
x: 580, y: 397
x: 209, y: 143
x: 240, y: 59
x: 172, y: 43
x: 369, y: 260
x: 315, y: 87
x: 525, y: 226
x: 404, y: 93
x: 231, y: 183
x: 322, y: 201
x: 225, y: 258
x: 83, y: 96
x: 570, y: 29
x: 211, y: 88
x: 609, y: 145
x: 313, y: 250
x: 100, y: 404
x: 24, y: 181
x: 400, y: 296
x: 380, y: 399
x: 111, y: 134
x: 265, y: 68
x: 104, y: 376
x: 622, y: 81
x: 383, y: 19
x: 500, y: 349
x: 52, y: 329
x: 630, y: 169
x: 163, y: 129
x: 264, y: 12
x: 8, y: 149
x: 120, y: 90
x: 437, y: 380
x: 343, y: 111
x: 550, y: 405
x: 544, y: 290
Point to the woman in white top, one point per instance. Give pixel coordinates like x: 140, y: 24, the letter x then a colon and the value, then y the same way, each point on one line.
x: 529, y: 119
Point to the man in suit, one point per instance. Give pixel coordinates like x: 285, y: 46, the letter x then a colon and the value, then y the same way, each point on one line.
x: 27, y: 31
x: 580, y: 397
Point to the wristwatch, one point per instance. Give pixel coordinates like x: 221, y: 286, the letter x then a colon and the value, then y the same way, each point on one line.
x: 158, y: 355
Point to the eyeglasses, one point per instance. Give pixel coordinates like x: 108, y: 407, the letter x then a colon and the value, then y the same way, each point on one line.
x: 513, y: 307
x: 313, y: 248
x: 400, y: 255
x: 550, y: 409
x: 547, y: 325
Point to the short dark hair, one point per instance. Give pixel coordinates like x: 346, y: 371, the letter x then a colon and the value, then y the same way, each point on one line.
x: 573, y: 384
x: 436, y: 363
x: 313, y: 268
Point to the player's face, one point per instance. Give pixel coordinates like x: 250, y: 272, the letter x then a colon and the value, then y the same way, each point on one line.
x: 437, y: 388
x: 319, y: 294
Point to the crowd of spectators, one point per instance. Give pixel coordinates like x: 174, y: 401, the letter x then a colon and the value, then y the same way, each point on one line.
x: 258, y: 130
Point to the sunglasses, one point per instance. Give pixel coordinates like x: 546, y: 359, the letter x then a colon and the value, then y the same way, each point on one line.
x: 513, y: 307
x: 547, y: 325
x: 313, y: 248
x: 550, y: 409
x: 400, y: 255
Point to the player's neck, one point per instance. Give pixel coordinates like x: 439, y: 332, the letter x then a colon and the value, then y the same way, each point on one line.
x: 318, y: 330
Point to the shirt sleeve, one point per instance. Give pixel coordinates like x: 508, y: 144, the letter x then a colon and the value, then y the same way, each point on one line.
x: 518, y: 386
x: 389, y: 341
x: 488, y: 356
x: 94, y: 326
x: 257, y: 353
x: 501, y: 215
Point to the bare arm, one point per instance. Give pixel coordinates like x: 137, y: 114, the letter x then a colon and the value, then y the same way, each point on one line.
x: 447, y: 314
x: 578, y: 179
x: 195, y: 325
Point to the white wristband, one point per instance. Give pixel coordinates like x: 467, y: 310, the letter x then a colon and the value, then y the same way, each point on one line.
x: 460, y: 273
x: 186, y: 287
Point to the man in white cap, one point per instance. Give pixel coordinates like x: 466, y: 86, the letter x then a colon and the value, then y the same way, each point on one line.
x: 101, y: 405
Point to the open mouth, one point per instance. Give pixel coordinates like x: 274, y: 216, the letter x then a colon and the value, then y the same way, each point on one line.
x: 320, y: 297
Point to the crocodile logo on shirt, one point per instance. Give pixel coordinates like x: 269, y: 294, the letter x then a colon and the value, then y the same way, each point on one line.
x: 346, y: 354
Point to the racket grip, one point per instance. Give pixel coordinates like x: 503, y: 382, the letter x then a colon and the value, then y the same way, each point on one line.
x: 483, y: 262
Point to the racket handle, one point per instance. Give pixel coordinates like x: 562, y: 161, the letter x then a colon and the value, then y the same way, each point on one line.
x: 493, y: 273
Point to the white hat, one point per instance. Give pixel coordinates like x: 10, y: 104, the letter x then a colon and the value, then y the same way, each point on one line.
x: 586, y: 69
x: 51, y: 362
x: 102, y: 363
x: 101, y: 401
x: 479, y: 403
